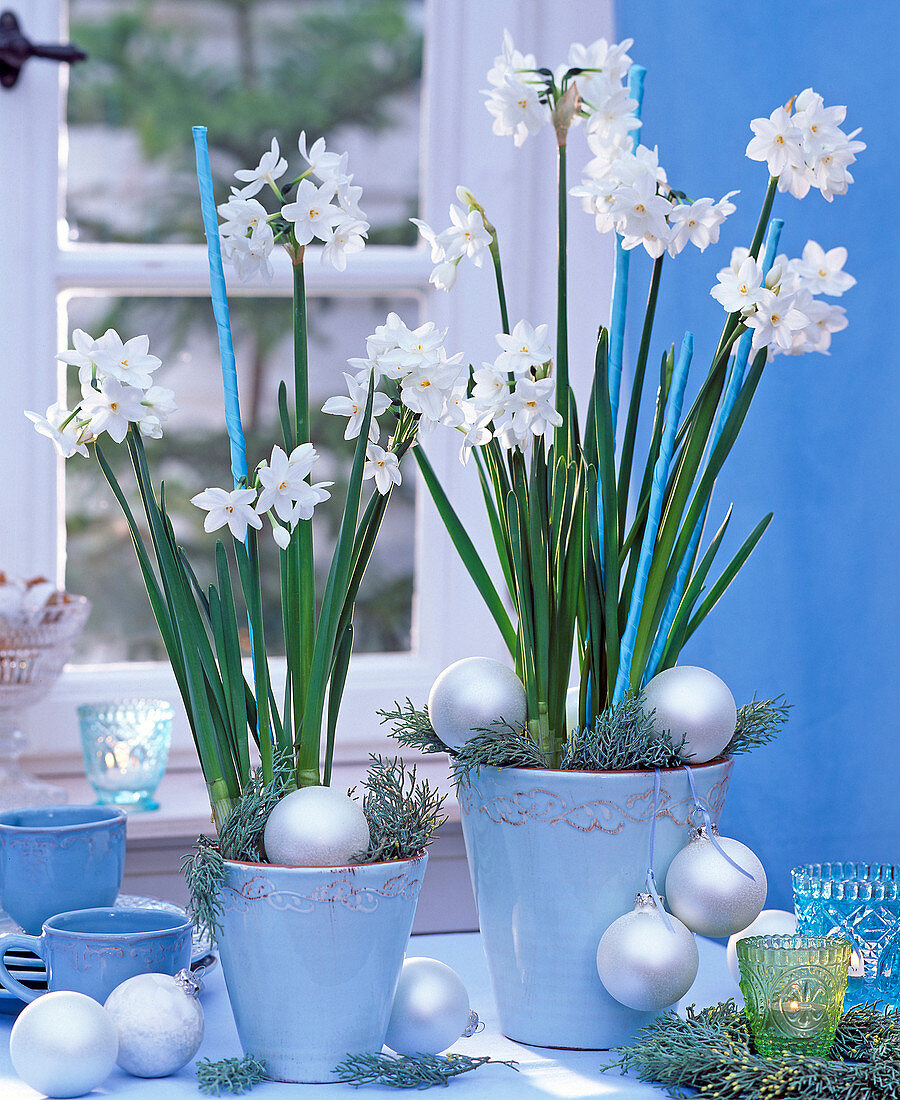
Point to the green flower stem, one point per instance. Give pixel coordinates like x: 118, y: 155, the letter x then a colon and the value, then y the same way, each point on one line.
x: 301, y: 562
x: 562, y: 336
x: 498, y: 275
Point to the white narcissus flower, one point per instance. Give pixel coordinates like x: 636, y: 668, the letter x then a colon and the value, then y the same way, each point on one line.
x: 425, y: 389
x: 271, y: 167
x: 384, y: 466
x: 159, y: 402
x: 112, y: 408
x: 84, y: 348
x: 476, y: 435
x: 443, y: 275
x: 775, y: 321
x: 128, y: 362
x: 777, y: 141
x: 822, y: 272
x: 491, y: 389
x: 312, y: 212
x: 641, y: 214
x: 415, y: 349
x: 610, y: 62
x: 283, y: 480
x: 824, y: 319
x: 354, y: 406
x: 532, y: 408
x: 525, y: 347
x: 466, y: 236
x: 68, y: 440
x: 308, y: 496
x: 234, y: 508
x: 241, y: 216
x: 614, y: 118
x: 329, y: 167
x: 250, y: 255
x: 516, y: 108
x: 382, y: 342
x: 432, y: 238
x: 741, y: 289
x: 349, y: 236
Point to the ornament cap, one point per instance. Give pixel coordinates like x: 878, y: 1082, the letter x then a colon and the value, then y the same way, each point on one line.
x: 474, y: 1025
x: 189, y: 982
x: 645, y: 901
x: 704, y: 832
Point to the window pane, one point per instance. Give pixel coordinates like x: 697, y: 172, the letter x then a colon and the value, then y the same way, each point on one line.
x: 193, y: 454
x: 248, y: 69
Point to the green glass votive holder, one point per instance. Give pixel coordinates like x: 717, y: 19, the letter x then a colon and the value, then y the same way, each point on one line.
x: 793, y: 990
x: 126, y: 747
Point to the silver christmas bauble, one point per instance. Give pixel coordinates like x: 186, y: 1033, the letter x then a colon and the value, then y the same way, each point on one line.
x: 644, y: 965
x: 707, y: 893
x: 474, y: 694
x: 430, y: 1010
x: 63, y: 1044
x: 692, y: 701
x: 770, y: 922
x: 160, y: 1024
x: 316, y: 827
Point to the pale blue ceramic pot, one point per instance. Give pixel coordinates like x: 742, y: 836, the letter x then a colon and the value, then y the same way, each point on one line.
x: 555, y: 858
x: 311, y: 957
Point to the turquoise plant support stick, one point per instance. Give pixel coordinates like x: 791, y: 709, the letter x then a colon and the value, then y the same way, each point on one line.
x: 636, y: 76
x: 734, y: 385
x: 657, y: 493
x: 220, y: 308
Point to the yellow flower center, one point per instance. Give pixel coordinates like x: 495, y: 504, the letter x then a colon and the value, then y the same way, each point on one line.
x: 779, y: 140
x: 822, y: 272
x: 114, y: 405
x: 640, y: 208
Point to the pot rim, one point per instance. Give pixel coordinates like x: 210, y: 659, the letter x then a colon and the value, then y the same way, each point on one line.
x: 106, y: 816
x: 624, y: 771
x: 423, y: 854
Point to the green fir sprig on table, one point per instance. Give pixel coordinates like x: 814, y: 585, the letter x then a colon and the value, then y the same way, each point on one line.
x: 411, y: 728
x: 403, y: 812
x: 418, y: 1071
x: 712, y: 1051
x: 622, y: 738
x: 758, y: 723
x: 204, y: 872
x: 232, y: 1076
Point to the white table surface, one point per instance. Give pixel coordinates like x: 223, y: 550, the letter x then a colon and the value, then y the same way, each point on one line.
x: 568, y: 1075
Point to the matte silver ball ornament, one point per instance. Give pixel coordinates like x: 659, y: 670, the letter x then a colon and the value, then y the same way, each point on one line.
x: 644, y: 965
x: 709, y: 895
x: 474, y: 694
x: 316, y: 827
x: 694, y: 702
x: 770, y: 922
x: 159, y: 1021
x: 63, y: 1044
x: 430, y: 1010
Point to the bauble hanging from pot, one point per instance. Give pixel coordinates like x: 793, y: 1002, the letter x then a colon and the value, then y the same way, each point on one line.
x: 644, y: 964
x: 473, y: 695
x: 709, y: 894
x: 695, y: 703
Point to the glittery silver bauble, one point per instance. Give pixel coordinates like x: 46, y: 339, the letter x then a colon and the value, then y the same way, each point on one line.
x: 431, y: 1008
x: 160, y: 1024
x: 316, y: 827
x: 707, y: 893
x: 474, y: 694
x: 644, y: 965
x: 63, y: 1044
x: 692, y: 701
x: 770, y: 922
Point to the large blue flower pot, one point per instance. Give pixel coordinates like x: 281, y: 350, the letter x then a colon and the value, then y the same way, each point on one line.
x: 555, y: 858
x: 311, y: 957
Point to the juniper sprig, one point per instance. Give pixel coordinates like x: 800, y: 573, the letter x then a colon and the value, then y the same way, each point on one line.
x: 204, y: 872
x: 622, y: 738
x: 417, y: 1071
x: 243, y: 831
x: 502, y: 746
x: 230, y: 1075
x: 403, y: 812
x: 412, y: 728
x: 758, y: 723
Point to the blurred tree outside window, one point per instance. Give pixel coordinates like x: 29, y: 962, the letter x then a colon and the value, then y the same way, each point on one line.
x: 248, y: 69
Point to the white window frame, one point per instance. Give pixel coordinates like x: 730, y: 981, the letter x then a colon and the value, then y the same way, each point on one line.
x: 44, y: 268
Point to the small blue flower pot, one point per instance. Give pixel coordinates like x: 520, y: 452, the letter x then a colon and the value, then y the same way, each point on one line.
x: 311, y: 957
x: 555, y: 858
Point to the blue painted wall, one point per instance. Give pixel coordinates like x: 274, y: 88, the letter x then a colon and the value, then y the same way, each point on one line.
x: 815, y: 612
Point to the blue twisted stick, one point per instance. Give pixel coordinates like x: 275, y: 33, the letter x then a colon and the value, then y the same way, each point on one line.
x: 651, y: 877
x: 220, y: 308
x: 636, y: 76
x: 654, y: 511
x: 709, y: 827
x: 741, y: 358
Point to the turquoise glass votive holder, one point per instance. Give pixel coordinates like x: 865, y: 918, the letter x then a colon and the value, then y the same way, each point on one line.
x: 861, y: 903
x: 126, y: 747
x: 793, y: 990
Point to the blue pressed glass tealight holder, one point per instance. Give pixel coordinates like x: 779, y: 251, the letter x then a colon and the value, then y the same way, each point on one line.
x: 861, y: 903
x: 126, y: 747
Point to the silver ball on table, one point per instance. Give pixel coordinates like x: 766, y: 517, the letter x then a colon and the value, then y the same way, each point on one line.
x: 430, y: 1010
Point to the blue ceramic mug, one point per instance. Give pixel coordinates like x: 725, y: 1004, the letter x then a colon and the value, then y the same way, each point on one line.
x: 93, y: 950
x: 58, y: 858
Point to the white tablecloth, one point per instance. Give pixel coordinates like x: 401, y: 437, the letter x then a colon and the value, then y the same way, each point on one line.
x: 542, y: 1073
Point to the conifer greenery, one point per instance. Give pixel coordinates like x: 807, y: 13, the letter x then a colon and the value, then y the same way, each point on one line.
x: 420, y: 1071
x: 713, y: 1052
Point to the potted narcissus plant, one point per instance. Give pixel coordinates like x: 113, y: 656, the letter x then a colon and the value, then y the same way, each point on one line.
x: 317, y: 887
x: 569, y: 791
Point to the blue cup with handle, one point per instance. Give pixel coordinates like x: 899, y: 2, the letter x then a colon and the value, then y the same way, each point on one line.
x: 92, y: 951
x: 54, y: 859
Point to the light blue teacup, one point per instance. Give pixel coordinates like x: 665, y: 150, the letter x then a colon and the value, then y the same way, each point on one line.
x: 92, y: 951
x: 58, y: 858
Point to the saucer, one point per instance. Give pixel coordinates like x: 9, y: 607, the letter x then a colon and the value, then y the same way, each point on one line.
x: 29, y: 968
